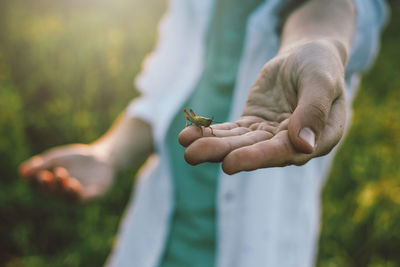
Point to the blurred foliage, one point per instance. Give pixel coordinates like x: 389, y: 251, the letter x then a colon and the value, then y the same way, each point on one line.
x: 361, y: 200
x: 66, y: 71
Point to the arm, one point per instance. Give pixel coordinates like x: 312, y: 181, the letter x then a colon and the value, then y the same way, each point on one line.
x: 127, y: 143
x: 295, y: 110
x: 87, y: 171
x: 321, y: 19
x: 318, y: 37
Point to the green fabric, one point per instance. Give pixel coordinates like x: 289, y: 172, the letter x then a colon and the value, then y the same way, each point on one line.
x: 192, y: 237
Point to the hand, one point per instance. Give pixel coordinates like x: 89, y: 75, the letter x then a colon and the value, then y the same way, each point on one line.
x: 295, y: 111
x: 75, y: 171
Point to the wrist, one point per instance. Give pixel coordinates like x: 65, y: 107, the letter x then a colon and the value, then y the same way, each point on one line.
x: 336, y: 47
x: 128, y: 143
x: 102, y: 149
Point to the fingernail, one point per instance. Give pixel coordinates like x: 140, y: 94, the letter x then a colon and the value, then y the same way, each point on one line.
x: 308, y: 136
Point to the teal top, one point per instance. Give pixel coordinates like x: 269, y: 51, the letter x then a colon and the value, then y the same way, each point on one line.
x: 192, y: 237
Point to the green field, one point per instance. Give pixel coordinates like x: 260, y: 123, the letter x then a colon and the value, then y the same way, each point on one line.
x: 66, y: 71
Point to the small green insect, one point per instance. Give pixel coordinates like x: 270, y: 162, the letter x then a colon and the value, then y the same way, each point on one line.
x: 198, y: 120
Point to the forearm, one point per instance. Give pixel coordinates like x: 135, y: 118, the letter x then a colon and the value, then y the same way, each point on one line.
x: 128, y: 142
x: 321, y: 20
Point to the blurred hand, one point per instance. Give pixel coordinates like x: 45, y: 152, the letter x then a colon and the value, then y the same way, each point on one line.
x: 295, y: 111
x: 76, y: 171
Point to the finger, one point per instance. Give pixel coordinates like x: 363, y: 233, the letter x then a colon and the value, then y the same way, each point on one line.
x: 276, y: 152
x: 192, y: 133
x: 214, y: 149
x: 244, y: 121
x: 283, y: 126
x: 271, y: 127
x: 224, y: 126
x: 32, y: 166
x: 226, y: 133
x: 45, y: 177
x: 61, y: 176
x: 334, y: 128
x: 331, y: 134
x: 241, y: 126
x: 46, y: 180
x: 316, y: 95
x: 29, y: 168
x: 73, y: 189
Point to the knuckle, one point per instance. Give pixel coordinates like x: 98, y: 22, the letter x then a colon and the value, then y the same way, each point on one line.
x: 325, y: 75
x: 271, y: 68
x: 332, y: 83
x: 318, y: 109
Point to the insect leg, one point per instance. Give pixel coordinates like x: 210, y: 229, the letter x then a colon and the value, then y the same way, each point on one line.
x: 192, y: 112
x: 188, y: 117
x: 211, y: 130
x: 201, y: 129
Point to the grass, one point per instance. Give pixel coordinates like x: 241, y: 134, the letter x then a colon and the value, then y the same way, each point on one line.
x: 66, y: 71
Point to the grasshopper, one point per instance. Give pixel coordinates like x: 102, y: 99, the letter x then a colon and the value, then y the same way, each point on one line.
x: 198, y: 120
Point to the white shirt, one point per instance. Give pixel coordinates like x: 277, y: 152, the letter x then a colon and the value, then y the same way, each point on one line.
x: 267, y: 217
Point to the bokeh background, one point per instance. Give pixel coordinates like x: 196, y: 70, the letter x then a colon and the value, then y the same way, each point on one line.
x: 66, y: 71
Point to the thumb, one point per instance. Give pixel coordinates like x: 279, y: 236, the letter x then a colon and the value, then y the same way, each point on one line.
x: 311, y: 114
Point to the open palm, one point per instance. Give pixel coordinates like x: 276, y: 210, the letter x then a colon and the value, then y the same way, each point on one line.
x: 72, y: 171
x: 295, y: 111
